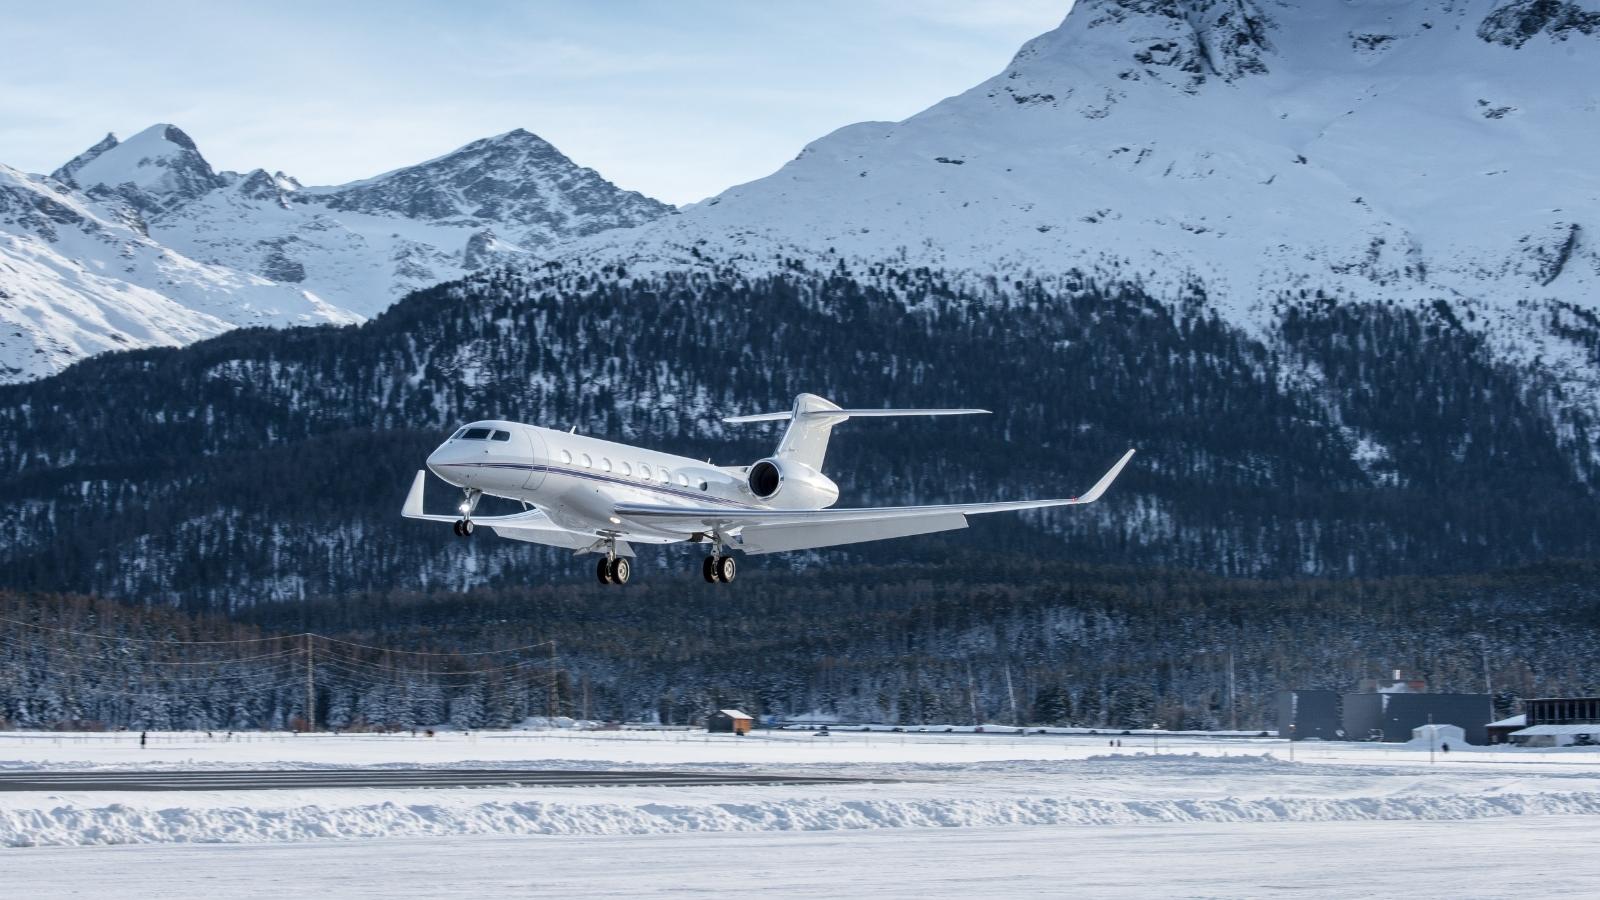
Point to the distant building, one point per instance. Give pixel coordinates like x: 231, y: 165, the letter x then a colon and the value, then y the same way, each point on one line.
x: 1440, y: 736
x: 1500, y: 732
x: 1559, y: 721
x: 1392, y: 717
x: 729, y: 721
x: 1309, y: 715
x: 1389, y: 710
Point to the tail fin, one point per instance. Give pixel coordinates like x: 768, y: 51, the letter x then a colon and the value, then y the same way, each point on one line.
x: 811, y: 423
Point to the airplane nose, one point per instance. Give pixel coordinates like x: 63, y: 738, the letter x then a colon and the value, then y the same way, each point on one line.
x: 439, y: 461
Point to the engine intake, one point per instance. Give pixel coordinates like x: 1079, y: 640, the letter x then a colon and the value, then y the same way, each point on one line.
x: 787, y: 484
x: 765, y: 478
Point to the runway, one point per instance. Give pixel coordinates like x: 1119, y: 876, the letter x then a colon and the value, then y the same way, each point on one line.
x: 285, y: 779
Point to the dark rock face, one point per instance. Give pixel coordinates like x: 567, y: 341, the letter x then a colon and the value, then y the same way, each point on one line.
x: 258, y: 185
x: 482, y: 251
x: 1224, y: 39
x: 279, y: 266
x: 65, y: 173
x: 1515, y: 23
x: 516, y: 181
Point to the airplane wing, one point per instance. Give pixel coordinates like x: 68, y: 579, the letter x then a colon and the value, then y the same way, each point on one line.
x: 776, y: 530
x: 532, y: 526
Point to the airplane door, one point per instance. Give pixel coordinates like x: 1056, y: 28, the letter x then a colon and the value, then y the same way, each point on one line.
x: 540, y: 457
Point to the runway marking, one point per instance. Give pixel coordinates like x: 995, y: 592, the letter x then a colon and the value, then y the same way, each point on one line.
x: 289, y: 779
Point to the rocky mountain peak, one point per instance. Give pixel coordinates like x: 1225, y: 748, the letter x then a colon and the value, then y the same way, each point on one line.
x: 67, y: 173
x: 156, y: 170
x: 515, y: 181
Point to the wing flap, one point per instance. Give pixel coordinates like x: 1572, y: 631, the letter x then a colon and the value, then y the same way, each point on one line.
x: 758, y: 539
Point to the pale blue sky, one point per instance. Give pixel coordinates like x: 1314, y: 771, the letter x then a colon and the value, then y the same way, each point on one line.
x: 676, y: 99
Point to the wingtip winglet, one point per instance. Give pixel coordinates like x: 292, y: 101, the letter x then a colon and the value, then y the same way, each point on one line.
x: 1100, y: 486
x: 413, y: 507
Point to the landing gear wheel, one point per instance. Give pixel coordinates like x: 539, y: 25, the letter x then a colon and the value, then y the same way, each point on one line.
x: 726, y: 569
x: 603, y: 571
x: 619, y: 570
x: 709, y: 569
x: 456, y: 525
x: 463, y: 528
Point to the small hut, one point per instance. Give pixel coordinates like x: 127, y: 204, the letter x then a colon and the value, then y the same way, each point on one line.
x: 729, y: 721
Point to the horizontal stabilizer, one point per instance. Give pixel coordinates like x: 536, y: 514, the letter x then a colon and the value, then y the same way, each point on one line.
x: 849, y: 413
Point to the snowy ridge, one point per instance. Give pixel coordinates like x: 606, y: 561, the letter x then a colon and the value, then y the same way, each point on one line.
x: 1264, y: 152
x: 259, y: 248
x: 78, y: 277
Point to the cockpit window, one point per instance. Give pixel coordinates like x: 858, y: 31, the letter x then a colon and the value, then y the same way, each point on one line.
x: 502, y: 435
x: 459, y: 433
x: 476, y: 434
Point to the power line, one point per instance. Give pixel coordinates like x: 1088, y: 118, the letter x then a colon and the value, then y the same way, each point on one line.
x: 333, y: 640
x: 133, y: 640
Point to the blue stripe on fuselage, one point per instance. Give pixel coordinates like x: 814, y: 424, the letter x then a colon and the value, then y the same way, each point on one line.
x: 682, y: 493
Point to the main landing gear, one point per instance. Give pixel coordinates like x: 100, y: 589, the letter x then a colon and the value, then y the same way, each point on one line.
x: 613, y: 569
x: 463, y: 526
x: 718, y: 567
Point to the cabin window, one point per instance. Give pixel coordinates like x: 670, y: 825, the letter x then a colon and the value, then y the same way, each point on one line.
x: 566, y: 457
x: 704, y: 486
x: 475, y: 434
x: 644, y: 471
x: 502, y: 435
x: 588, y: 463
x: 605, y: 463
x: 664, y: 476
x: 683, y: 479
x: 624, y: 468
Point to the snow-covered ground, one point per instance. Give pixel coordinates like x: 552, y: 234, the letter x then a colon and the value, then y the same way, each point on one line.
x: 938, y: 781
x: 1485, y: 858
x: 966, y: 814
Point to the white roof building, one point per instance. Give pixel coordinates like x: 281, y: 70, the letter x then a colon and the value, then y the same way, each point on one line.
x: 1439, y: 735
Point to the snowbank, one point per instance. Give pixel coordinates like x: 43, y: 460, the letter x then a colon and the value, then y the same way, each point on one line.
x: 124, y: 823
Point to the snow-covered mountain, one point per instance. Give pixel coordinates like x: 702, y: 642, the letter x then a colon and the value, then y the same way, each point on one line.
x: 1411, y: 151
x: 78, y: 277
x: 176, y: 251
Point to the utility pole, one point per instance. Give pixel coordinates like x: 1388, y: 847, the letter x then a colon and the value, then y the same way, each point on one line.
x: 311, y: 688
x: 1012, y: 691
x: 1233, y: 705
x: 554, y: 697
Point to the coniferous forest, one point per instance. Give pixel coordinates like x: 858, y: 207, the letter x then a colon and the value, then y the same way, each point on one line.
x: 1364, y: 488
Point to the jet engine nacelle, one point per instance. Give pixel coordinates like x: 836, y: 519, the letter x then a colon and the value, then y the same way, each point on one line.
x: 786, y: 484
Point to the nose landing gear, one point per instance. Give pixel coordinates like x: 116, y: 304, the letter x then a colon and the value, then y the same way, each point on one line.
x: 463, y: 526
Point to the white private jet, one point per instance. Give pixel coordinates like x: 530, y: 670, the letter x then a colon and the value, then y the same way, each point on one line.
x: 595, y: 496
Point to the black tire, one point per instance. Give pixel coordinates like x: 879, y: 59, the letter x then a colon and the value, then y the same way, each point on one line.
x: 620, y: 570
x: 726, y: 569
x: 456, y: 526
x: 708, y: 568
x: 603, y: 571
x: 466, y: 527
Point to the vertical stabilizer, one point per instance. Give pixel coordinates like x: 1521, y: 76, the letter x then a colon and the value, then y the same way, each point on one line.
x: 806, y: 439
